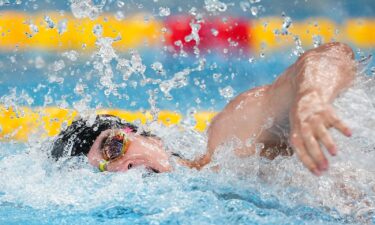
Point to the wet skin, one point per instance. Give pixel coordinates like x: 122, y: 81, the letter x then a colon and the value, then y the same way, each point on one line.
x: 142, y: 151
x: 299, y: 103
x: 296, y: 111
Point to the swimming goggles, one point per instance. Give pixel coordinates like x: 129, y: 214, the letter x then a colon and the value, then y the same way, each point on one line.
x: 115, y: 146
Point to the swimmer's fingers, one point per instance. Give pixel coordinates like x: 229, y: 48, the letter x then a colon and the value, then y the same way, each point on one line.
x: 313, y: 148
x: 299, y: 148
x: 326, y: 139
x: 339, y: 125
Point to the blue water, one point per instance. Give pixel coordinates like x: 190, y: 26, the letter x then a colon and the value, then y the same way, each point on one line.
x: 36, y: 190
x: 50, y: 195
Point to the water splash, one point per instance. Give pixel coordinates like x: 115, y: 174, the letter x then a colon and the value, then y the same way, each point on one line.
x: 287, y: 22
x: 215, y: 6
x: 86, y: 8
x: 164, y: 11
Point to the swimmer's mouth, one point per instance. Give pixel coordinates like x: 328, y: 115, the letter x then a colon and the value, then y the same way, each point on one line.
x: 150, y: 169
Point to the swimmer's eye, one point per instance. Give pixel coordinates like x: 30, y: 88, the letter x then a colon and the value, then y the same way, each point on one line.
x: 130, y: 166
x: 115, y: 146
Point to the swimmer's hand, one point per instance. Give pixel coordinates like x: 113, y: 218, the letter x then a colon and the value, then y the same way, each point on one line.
x: 310, y: 119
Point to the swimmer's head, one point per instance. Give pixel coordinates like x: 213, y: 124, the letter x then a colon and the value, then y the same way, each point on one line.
x: 83, y: 138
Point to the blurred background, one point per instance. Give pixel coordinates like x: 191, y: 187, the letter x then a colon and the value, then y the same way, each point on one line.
x: 156, y: 60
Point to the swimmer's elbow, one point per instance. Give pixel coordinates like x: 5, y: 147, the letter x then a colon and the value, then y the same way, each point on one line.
x: 337, y: 50
x: 343, y: 50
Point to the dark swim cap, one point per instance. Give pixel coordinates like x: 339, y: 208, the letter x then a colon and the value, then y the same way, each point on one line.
x: 78, y: 138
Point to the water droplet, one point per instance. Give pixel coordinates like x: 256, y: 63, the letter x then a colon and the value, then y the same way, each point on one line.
x: 158, y: 68
x: 62, y: 26
x: 39, y: 62
x: 58, y: 65
x: 98, y: 30
x: 164, y: 11
x: 49, y: 22
x: 4, y: 2
x: 317, y: 40
x: 215, y: 5
x: 254, y: 10
x: 34, y: 28
x: 259, y: 147
x: 72, y: 55
x: 120, y: 4
x: 193, y: 11
x: 216, y: 77
x: 195, y: 27
x: 298, y: 51
x: 79, y: 88
x: 226, y: 92
x: 214, y: 32
x: 119, y: 15
x: 85, y: 8
x: 244, y: 6
x: 286, y: 24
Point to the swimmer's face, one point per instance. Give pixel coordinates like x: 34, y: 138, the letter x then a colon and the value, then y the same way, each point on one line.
x: 142, y: 151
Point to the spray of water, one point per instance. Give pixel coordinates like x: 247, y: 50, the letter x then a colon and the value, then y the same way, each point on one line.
x: 230, y: 187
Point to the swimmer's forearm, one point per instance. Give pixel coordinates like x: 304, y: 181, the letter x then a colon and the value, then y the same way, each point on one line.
x: 316, y: 79
x: 323, y: 72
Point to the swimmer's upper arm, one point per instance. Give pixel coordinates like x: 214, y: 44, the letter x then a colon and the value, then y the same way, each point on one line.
x: 243, y: 117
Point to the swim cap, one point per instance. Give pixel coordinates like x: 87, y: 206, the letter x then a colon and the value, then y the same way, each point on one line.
x: 78, y: 138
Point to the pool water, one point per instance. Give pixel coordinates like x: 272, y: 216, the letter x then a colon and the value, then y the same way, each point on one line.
x: 34, y: 189
x: 37, y: 190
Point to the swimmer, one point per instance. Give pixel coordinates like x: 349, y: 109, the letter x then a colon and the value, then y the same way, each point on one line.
x: 291, y: 115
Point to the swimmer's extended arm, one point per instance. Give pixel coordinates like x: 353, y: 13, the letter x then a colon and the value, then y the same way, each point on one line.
x: 301, y: 96
x: 317, y: 78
